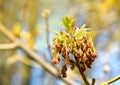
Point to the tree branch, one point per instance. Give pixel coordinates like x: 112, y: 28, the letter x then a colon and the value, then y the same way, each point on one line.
x: 111, y: 81
x: 48, y: 67
x: 7, y: 46
x: 47, y: 34
x: 93, y: 81
x: 82, y: 73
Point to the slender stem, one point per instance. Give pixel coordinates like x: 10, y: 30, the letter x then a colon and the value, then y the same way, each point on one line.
x: 93, y: 81
x: 7, y: 46
x: 82, y: 73
x: 111, y: 81
x: 47, y: 34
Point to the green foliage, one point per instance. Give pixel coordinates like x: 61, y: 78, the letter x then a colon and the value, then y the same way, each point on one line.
x: 68, y: 23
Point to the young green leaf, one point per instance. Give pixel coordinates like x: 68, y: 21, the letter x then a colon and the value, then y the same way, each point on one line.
x: 68, y: 23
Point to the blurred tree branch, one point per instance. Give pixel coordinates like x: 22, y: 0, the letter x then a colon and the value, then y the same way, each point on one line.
x: 48, y: 67
x: 23, y: 59
x: 111, y: 80
x: 8, y: 46
x: 45, y: 14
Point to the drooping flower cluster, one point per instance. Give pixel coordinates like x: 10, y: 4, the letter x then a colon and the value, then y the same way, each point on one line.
x: 76, y: 42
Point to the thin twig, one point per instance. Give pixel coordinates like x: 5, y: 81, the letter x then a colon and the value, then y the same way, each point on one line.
x: 93, y: 81
x: 7, y: 46
x: 48, y: 67
x: 82, y: 73
x: 111, y: 81
x: 47, y: 34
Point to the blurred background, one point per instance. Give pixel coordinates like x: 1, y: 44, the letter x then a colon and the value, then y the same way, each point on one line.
x: 33, y: 22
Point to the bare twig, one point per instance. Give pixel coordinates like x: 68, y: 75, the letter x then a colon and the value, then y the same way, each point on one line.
x: 93, y: 81
x: 47, y: 34
x: 48, y: 67
x: 7, y: 46
x: 82, y: 73
x: 111, y: 81
x: 45, y: 14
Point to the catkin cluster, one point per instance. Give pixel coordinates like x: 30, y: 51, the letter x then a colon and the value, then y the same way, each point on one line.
x: 80, y: 47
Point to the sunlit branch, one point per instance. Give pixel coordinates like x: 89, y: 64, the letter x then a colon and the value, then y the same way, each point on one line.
x: 111, y: 80
x: 46, y: 14
x: 7, y: 46
x: 22, y: 59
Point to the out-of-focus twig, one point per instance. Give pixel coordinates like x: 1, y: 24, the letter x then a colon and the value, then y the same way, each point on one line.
x: 111, y: 81
x: 7, y: 46
x: 17, y: 57
x: 45, y: 14
x: 93, y: 81
x: 48, y: 67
